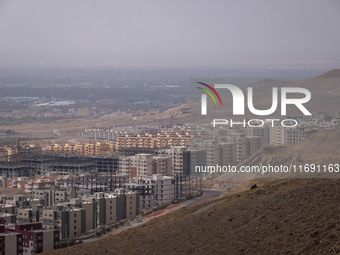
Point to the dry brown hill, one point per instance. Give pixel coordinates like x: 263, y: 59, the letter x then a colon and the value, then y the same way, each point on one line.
x: 281, y: 217
x: 322, y: 147
x: 335, y: 73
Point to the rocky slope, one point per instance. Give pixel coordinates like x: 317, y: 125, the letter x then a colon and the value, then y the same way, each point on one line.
x: 280, y: 217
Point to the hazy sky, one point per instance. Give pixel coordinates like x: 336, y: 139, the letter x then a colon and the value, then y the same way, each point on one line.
x: 174, y: 32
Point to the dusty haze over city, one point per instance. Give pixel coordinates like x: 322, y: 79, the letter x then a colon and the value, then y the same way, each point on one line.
x: 108, y: 142
x: 298, y: 34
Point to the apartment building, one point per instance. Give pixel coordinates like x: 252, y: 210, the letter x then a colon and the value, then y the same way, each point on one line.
x: 24, y: 215
x: 29, y: 214
x: 197, y: 158
x: 91, y: 213
x: 27, y: 184
x: 263, y: 132
x: 142, y: 163
x: 137, y: 165
x: 295, y: 135
x: 3, y: 155
x: 124, y: 165
x: 164, y: 188
x: 216, y: 152
x: 87, y: 149
x: 58, y: 194
x: 146, y: 194
x: 96, y: 182
x: 10, y: 152
x: 240, y: 141
x: 116, y: 206
x: 107, y: 208
x: 69, y: 166
x: 162, y: 165
x: 131, y: 205
x: 35, y: 239
x: 35, y: 163
x: 155, y: 140
x: 17, y: 200
x: 153, y: 190
x: 77, y: 221
x: 6, y: 208
x: 277, y: 135
x: 100, y: 134
x: 254, y: 144
x: 226, y: 154
x: 180, y: 157
x: 71, y: 222
x: 106, y: 164
x: 13, y: 170
x: 10, y: 242
x: 7, y: 218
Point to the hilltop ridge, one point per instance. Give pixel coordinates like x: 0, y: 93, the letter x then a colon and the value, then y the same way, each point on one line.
x: 335, y: 73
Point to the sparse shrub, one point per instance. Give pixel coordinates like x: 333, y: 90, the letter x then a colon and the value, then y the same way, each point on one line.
x: 64, y: 245
x: 71, y: 243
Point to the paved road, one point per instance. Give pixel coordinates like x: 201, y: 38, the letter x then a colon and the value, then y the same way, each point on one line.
x: 206, y: 194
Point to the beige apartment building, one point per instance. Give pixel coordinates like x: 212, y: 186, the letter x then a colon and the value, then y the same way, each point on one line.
x: 162, y: 165
x: 277, y: 135
x: 116, y: 206
x: 7, y: 218
x: 156, y: 140
x: 24, y: 215
x: 49, y: 219
x: 76, y: 222
x: 10, y: 242
x: 87, y: 149
x: 131, y: 205
x: 90, y: 207
x: 71, y: 222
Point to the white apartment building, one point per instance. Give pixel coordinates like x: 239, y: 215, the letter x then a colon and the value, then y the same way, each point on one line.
x: 155, y: 190
x: 180, y: 159
x: 139, y: 165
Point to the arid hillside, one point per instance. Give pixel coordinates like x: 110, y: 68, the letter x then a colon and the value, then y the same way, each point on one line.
x: 322, y: 147
x: 278, y: 217
x: 335, y: 73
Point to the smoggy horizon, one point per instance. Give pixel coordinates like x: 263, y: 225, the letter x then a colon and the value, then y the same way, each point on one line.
x: 263, y: 34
